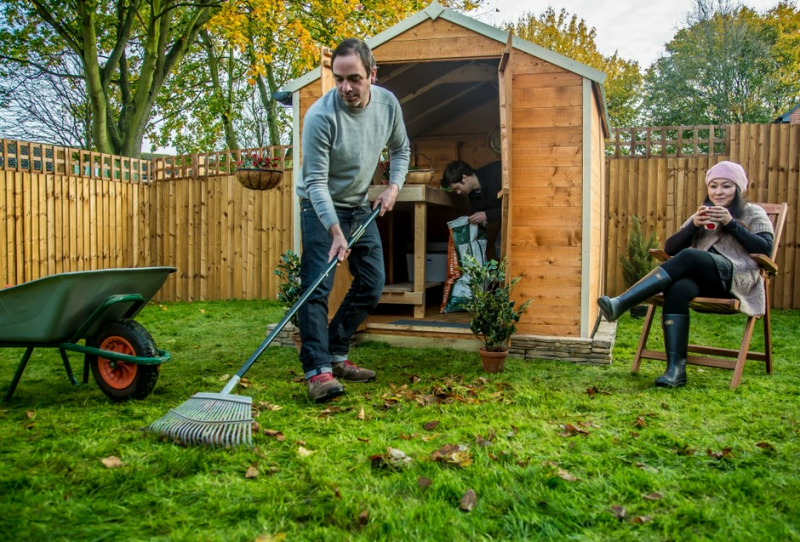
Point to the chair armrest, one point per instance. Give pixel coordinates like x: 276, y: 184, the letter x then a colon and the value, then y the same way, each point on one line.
x: 659, y: 254
x: 765, y: 263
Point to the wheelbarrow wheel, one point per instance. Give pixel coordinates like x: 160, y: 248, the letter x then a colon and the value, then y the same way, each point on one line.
x: 119, y: 380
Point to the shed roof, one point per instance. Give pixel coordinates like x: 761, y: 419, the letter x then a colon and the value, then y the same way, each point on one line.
x: 783, y: 119
x: 436, y: 10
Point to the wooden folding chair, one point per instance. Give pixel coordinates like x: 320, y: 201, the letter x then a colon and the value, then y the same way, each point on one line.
x: 724, y: 358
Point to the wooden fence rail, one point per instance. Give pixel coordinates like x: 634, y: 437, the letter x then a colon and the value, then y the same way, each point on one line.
x: 664, y: 192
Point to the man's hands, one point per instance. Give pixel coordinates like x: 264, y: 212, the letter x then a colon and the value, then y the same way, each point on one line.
x: 338, y: 245
x: 478, y: 218
x: 387, y: 198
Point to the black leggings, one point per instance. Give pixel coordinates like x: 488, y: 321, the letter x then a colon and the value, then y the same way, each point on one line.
x: 692, y: 272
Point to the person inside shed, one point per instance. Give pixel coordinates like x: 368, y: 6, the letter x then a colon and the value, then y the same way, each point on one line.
x: 710, y: 258
x: 344, y: 133
x: 482, y: 186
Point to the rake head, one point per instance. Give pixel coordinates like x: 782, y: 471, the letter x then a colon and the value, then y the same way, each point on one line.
x: 209, y: 418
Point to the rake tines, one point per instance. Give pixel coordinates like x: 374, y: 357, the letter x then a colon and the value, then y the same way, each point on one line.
x: 209, y: 418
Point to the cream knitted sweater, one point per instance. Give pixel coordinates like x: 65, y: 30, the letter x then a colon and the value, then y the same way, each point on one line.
x: 746, y: 285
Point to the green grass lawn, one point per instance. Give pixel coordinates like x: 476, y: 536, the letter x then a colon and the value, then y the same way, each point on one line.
x: 551, y: 450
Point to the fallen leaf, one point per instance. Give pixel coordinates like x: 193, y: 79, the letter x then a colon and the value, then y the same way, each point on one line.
x: 559, y: 472
x: 570, y: 431
x: 646, y: 467
x: 619, y: 512
x: 30, y: 414
x: 202, y: 311
x: 480, y: 441
x: 255, y: 427
x: 634, y: 434
x: 302, y: 452
x: 363, y: 518
x: 277, y: 434
x: 413, y: 379
x: 278, y: 537
x: 641, y: 519
x: 226, y: 376
x: 362, y: 439
x: 267, y: 406
x: 300, y: 442
x: 424, y: 482
x: 640, y: 422
x: 685, y: 450
x: 699, y: 370
x: 594, y: 391
x: 428, y: 438
x: 653, y: 496
x: 456, y: 454
x: 336, y: 493
x: 252, y: 472
x: 393, y: 458
x: 111, y: 462
x: 361, y: 414
x: 324, y: 413
x: 766, y: 446
x: 724, y: 454
x: 430, y: 426
x: 408, y: 437
x: 468, y: 501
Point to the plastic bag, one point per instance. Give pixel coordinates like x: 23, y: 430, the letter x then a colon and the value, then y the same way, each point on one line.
x: 465, y: 239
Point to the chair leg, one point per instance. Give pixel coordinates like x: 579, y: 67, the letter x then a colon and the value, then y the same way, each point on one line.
x: 768, y: 341
x: 745, y: 348
x: 648, y: 323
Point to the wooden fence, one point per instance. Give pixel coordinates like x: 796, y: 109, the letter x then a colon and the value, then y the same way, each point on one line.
x: 189, y: 213
x: 664, y: 188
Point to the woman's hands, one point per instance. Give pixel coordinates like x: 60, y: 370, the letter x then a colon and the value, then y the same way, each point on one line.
x: 709, y: 217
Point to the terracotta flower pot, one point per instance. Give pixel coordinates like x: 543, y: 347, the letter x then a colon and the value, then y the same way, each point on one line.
x: 493, y: 362
x: 298, y: 343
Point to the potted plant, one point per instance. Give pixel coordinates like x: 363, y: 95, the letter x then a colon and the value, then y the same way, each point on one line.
x: 493, y: 315
x: 258, y: 172
x: 637, y: 261
x: 288, y: 271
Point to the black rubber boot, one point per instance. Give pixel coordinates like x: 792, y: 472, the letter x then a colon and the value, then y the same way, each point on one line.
x: 676, y: 343
x: 652, y: 283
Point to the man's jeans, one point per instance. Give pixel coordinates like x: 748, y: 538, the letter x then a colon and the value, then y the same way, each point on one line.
x: 323, y: 344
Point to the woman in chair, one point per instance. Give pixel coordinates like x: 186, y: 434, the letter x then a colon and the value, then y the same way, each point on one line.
x: 710, y: 258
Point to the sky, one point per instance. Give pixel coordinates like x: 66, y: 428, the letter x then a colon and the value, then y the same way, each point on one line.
x: 637, y: 29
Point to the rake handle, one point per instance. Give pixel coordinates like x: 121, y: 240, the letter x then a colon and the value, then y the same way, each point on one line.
x: 356, y: 235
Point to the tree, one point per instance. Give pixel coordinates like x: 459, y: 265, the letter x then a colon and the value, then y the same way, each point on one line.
x: 127, y: 49
x: 569, y: 36
x: 46, y: 105
x: 729, y: 65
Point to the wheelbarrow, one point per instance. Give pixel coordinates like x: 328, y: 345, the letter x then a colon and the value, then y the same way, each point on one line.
x: 98, y: 308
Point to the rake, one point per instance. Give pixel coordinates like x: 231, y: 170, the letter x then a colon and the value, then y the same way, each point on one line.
x: 224, y: 419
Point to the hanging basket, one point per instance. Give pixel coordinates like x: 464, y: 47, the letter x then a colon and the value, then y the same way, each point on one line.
x: 259, y: 179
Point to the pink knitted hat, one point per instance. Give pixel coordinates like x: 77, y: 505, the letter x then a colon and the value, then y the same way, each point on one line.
x: 730, y: 171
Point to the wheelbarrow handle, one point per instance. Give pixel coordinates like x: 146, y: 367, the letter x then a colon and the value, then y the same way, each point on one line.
x: 354, y: 237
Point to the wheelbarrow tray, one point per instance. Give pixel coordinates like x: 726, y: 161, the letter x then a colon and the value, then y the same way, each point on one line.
x: 55, y: 309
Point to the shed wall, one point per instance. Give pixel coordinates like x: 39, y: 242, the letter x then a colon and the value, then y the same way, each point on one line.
x: 546, y: 182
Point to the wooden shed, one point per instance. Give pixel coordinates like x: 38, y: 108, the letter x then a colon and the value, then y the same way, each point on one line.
x: 471, y: 91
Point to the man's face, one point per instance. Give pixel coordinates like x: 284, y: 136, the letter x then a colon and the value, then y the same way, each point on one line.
x: 462, y: 188
x: 352, y: 80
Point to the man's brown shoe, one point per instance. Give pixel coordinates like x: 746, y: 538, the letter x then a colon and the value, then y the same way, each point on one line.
x: 323, y: 387
x: 352, y: 373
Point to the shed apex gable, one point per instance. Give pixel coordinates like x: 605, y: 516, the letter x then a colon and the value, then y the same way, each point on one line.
x: 434, y: 11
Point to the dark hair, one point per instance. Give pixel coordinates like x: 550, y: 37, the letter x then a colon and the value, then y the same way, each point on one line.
x: 454, y: 173
x: 355, y: 46
x: 737, y: 205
